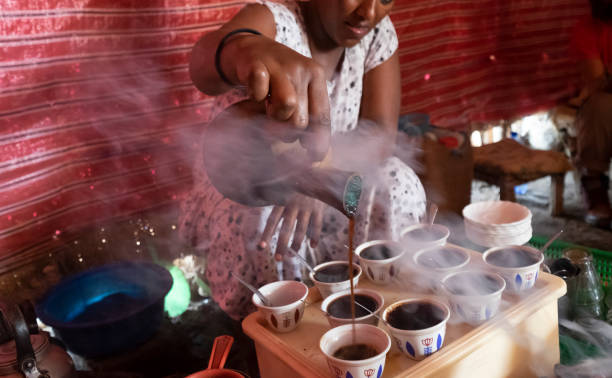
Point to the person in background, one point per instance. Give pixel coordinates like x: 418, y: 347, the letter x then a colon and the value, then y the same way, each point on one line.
x: 328, y: 73
x: 591, y: 46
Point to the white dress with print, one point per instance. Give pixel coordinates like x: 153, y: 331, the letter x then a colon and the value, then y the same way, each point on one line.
x: 227, y: 232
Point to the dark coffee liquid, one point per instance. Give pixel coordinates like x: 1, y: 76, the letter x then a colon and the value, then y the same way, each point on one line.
x: 441, y: 258
x: 425, y: 234
x: 512, y: 258
x: 355, y: 352
x: 472, y: 284
x: 415, y: 315
x: 341, y: 307
x: 351, y: 235
x: 377, y: 252
x: 333, y: 273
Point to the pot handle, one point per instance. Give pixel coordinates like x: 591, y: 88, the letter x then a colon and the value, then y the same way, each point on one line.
x: 220, y: 350
x: 25, y: 353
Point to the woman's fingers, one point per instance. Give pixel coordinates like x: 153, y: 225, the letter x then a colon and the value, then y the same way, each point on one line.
x: 300, y: 116
x: 317, y: 137
x: 301, y: 227
x: 286, y: 230
x: 271, y: 225
x: 258, y: 81
x: 314, y: 228
x: 282, y: 98
x: 296, y: 95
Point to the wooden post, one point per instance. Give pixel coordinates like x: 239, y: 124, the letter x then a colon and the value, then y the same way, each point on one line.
x: 555, y: 206
x: 506, y: 189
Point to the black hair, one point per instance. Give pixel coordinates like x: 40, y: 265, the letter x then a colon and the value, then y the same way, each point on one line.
x: 602, y: 10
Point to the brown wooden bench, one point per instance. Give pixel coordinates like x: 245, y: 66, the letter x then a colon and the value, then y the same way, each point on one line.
x: 508, y: 163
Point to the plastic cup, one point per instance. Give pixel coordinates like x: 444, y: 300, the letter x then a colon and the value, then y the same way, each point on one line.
x: 342, y: 336
x: 422, y: 342
x: 474, y: 295
x: 370, y: 318
x: 381, y: 270
x: 519, y: 265
x: 423, y: 235
x: 328, y: 288
x: 435, y: 263
x: 287, y: 299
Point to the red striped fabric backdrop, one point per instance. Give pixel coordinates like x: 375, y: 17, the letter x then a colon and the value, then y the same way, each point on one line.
x: 98, y: 117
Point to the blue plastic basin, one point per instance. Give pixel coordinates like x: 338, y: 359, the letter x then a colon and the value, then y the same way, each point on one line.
x: 107, y: 310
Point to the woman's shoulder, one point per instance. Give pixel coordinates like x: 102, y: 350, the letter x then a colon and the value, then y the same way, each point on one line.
x: 379, y: 44
x: 283, y: 8
x: 383, y: 32
x: 290, y: 30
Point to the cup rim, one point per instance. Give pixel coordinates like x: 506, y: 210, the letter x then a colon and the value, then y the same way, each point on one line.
x: 200, y: 373
x: 257, y: 302
x: 335, y: 262
x: 431, y: 300
x: 416, y: 226
x: 497, y: 277
x: 361, y: 247
x: 513, y: 269
x: 468, y: 212
x: 415, y: 258
x: 356, y: 362
x: 380, y: 300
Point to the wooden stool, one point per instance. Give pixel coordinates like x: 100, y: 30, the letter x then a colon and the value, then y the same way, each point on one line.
x: 508, y: 163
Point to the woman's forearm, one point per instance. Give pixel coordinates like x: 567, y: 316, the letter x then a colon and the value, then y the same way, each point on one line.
x: 202, y: 62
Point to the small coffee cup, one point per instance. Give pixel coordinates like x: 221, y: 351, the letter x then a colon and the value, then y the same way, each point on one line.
x: 381, y: 260
x: 286, y: 304
x: 517, y: 264
x: 436, y: 262
x: 424, y: 235
x: 333, y: 277
x: 338, y: 311
x: 355, y: 352
x: 417, y: 325
x: 474, y: 295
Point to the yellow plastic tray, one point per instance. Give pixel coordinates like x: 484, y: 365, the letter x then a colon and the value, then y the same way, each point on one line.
x: 521, y: 341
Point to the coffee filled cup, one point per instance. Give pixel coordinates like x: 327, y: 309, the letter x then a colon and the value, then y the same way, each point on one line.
x: 474, y: 295
x: 436, y: 262
x: 355, y: 351
x: 424, y: 235
x: 518, y: 265
x: 337, y: 307
x: 418, y: 326
x: 381, y: 260
x: 286, y: 306
x: 333, y: 277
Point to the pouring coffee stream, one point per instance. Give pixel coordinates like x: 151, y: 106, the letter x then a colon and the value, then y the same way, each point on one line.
x: 311, y: 269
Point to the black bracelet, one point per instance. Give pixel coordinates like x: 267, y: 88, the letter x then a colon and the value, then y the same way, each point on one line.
x: 220, y: 48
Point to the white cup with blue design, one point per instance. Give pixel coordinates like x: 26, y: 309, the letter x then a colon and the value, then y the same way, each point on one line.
x: 358, y: 352
x: 519, y: 265
x: 423, y: 235
x: 435, y: 263
x: 381, y: 260
x: 474, y: 295
x: 417, y: 325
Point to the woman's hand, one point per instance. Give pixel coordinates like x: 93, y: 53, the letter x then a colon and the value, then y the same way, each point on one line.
x: 292, y: 86
x: 306, y: 211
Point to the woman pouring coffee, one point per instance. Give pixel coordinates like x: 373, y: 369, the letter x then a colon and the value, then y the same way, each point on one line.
x: 300, y: 85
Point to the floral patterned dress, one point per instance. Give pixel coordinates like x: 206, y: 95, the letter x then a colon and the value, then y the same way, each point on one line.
x: 227, y: 233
